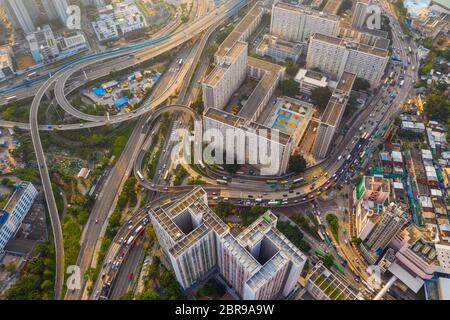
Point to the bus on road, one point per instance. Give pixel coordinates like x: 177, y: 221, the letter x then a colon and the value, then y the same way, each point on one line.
x: 299, y: 180
x: 12, y: 98
x: 140, y: 175
x: 139, y: 229
x: 220, y: 181
x: 166, y: 175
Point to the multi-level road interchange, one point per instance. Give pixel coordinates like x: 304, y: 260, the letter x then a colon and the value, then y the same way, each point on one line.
x: 236, y: 189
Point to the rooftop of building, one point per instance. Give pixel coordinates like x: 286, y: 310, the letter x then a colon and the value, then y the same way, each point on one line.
x: 19, y: 190
x: 225, y: 117
x: 270, y: 41
x: 240, y: 28
x: 332, y: 6
x: 272, y: 72
x: 351, y: 45
x: 4, y: 56
x: 240, y: 253
x: 375, y: 183
x: 333, y: 111
x: 313, y: 77
x: 236, y: 50
x: 215, y: 76
x: 265, y: 226
x: 193, y: 204
x: 330, y: 284
x: 345, y: 83
x: 302, y: 8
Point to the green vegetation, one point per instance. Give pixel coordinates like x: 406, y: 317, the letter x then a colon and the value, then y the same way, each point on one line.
x: 158, y: 276
x: 211, y: 289
x: 17, y: 110
x: 196, y: 182
x: 328, y: 260
x: 361, y: 84
x: 3, y: 200
x: 8, y: 182
x: 72, y: 236
x: 401, y: 13
x: 320, y: 97
x: 180, y: 175
x: 198, y: 105
x: 37, y: 281
x: 294, y: 235
x: 297, y: 163
x: 410, y: 136
x: 221, y: 36
x: 345, y: 5
x: 352, y: 106
x: 291, y: 68
x: 128, y: 196
x: 385, y: 26
x: 289, y: 87
x: 437, y: 106
x: 225, y: 209
x: 305, y: 225
x: 250, y: 214
x: 333, y: 224
x: 355, y: 240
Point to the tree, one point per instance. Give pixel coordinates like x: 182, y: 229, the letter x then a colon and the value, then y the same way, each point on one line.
x: 127, y: 296
x: 224, y: 209
x: 291, y: 67
x: 437, y: 106
x: 289, y: 87
x: 328, y: 260
x: 355, y: 240
x: 198, y: 105
x: 361, y: 84
x: 345, y: 5
x: 297, y: 163
x: 320, y: 96
x: 150, y: 233
x: 150, y: 294
x: 333, y: 224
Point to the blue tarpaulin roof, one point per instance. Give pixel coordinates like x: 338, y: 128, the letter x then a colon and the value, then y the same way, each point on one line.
x: 3, y: 216
x: 121, y: 101
x: 156, y: 76
x: 99, y: 91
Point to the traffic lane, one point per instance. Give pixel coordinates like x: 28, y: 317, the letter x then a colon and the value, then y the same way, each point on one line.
x: 130, y: 266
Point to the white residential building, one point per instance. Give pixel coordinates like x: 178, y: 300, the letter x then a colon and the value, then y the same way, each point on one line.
x: 226, y: 77
x: 259, y: 264
x: 6, y: 64
x: 332, y: 116
x: 105, y: 29
x: 359, y: 15
x: 21, y: 14
x: 298, y: 23
x: 279, y: 49
x: 335, y: 56
x: 309, y: 80
x: 43, y: 44
x: 15, y: 211
x: 56, y: 9
x: 114, y: 22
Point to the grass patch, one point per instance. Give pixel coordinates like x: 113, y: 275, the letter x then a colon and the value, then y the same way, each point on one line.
x: 333, y: 224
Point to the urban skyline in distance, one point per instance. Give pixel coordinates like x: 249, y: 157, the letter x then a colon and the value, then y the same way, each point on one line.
x: 229, y: 150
